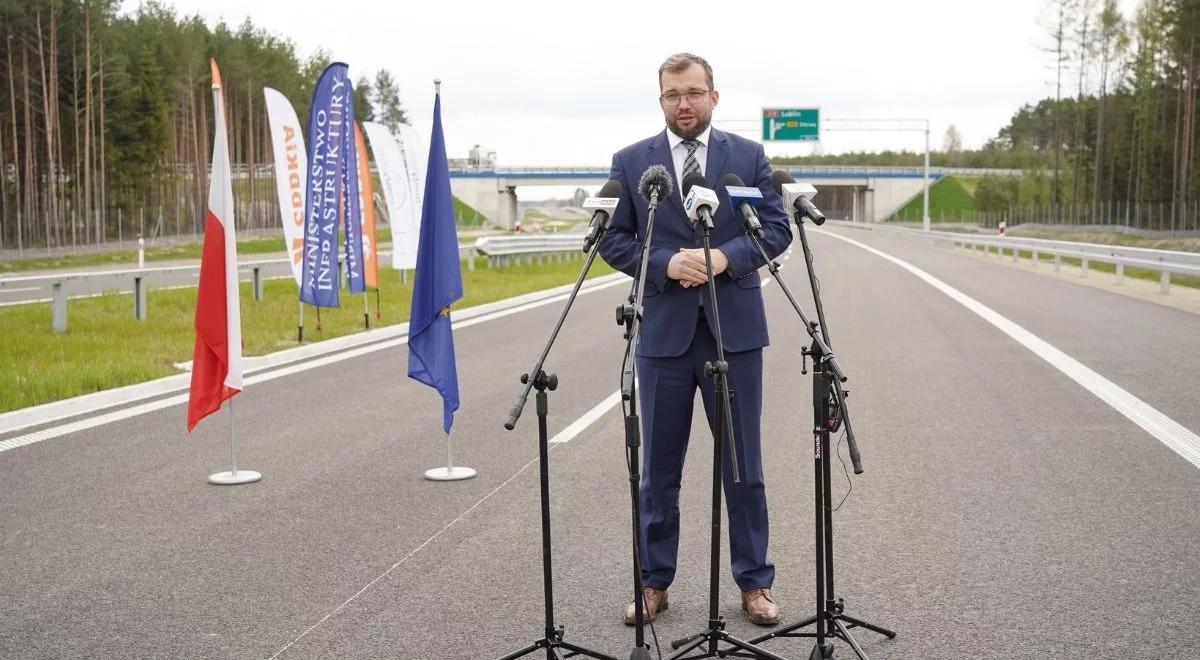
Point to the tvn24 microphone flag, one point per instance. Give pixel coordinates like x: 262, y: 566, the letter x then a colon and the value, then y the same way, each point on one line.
x: 437, y: 282
x: 332, y: 180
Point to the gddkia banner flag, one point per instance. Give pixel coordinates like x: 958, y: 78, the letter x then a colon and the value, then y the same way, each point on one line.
x: 291, y: 173
x: 332, y: 177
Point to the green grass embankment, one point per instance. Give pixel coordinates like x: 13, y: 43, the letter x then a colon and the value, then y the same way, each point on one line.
x: 105, y: 347
x: 951, y: 199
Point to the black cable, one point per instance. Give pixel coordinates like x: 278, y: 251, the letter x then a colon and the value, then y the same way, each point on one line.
x: 838, y: 451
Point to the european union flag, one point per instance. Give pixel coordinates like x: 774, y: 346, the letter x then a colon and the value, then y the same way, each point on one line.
x: 437, y: 281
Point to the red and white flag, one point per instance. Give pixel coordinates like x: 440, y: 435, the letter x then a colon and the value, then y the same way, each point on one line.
x: 217, y: 356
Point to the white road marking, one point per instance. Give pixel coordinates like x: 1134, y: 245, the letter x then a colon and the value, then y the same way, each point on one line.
x: 1169, y: 432
x: 578, y: 426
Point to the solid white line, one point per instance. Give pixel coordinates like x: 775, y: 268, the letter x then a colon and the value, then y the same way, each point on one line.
x: 1172, y: 434
x: 134, y: 411
x: 576, y: 427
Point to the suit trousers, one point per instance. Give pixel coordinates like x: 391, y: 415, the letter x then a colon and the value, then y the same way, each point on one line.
x: 668, y: 390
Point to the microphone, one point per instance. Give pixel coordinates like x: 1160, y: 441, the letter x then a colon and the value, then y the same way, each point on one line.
x: 744, y: 198
x: 797, y: 196
x: 699, y: 201
x: 655, y: 184
x: 603, y: 205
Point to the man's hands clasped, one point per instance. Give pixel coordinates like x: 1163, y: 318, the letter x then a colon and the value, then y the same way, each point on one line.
x: 687, y: 266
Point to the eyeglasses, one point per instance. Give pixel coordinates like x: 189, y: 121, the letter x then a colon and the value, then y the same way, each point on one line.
x: 694, y: 96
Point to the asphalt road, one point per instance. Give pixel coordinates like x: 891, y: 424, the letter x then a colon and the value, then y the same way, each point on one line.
x: 1006, y: 511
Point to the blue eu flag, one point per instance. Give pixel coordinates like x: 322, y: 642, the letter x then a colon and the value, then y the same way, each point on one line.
x: 437, y: 282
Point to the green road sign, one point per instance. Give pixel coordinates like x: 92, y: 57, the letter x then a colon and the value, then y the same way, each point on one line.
x: 791, y: 123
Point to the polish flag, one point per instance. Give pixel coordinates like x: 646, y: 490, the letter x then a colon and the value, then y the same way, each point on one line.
x: 217, y: 356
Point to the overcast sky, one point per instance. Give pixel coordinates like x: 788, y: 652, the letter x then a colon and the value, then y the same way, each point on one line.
x: 568, y: 83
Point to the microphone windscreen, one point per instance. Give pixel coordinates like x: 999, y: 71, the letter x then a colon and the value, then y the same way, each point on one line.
x: 611, y: 188
x: 778, y: 178
x: 655, y: 179
x: 732, y: 180
x: 693, y: 179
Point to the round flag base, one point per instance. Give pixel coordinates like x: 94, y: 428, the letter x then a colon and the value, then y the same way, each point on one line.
x: 228, y: 478
x: 449, y: 474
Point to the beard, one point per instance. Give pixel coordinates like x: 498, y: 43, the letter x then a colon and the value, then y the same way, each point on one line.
x: 702, y: 123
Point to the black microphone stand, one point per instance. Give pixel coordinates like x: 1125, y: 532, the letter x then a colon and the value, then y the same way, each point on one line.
x: 715, y: 633
x: 630, y: 316
x: 829, y: 413
x: 553, y: 639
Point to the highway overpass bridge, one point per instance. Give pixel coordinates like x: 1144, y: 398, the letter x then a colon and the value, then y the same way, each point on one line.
x: 850, y: 192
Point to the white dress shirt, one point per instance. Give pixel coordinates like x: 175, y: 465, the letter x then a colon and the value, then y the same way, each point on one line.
x: 679, y: 154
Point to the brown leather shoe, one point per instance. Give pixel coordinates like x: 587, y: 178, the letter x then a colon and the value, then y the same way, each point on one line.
x: 655, y: 601
x: 760, y: 607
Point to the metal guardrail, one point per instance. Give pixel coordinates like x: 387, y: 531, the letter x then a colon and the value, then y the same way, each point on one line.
x: 1165, y: 262
x: 603, y: 170
x: 500, y: 250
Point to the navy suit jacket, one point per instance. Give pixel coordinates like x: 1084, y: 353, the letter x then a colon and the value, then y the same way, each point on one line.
x: 671, y: 310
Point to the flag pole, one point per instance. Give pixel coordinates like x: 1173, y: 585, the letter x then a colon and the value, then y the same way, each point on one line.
x: 366, y: 309
x: 233, y: 476
x: 450, y: 472
x: 300, y: 328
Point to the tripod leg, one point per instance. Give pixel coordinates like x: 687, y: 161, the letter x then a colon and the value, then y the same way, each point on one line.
x: 579, y: 650
x: 845, y: 634
x: 687, y: 647
x: 863, y: 624
x: 784, y: 631
x: 747, y: 646
x: 525, y: 651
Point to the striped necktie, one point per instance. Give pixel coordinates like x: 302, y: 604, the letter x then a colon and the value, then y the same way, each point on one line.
x: 690, y: 164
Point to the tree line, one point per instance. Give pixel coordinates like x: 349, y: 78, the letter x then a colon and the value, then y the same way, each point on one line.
x: 106, y: 119
x: 1117, y: 143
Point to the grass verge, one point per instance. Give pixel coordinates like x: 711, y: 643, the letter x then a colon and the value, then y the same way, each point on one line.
x: 105, y: 347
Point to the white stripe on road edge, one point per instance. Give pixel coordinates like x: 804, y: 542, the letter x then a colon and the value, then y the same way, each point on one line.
x: 1172, y: 434
x: 578, y: 426
x: 134, y: 411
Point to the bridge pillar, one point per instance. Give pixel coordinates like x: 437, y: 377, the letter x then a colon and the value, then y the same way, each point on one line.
x: 506, y: 207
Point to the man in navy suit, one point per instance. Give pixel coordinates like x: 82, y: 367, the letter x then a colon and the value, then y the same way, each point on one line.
x: 676, y: 336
